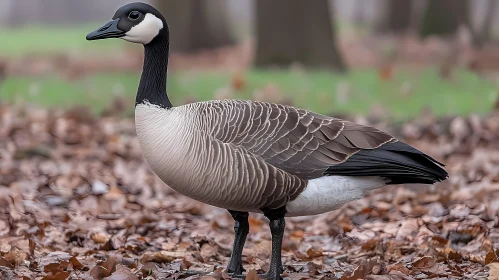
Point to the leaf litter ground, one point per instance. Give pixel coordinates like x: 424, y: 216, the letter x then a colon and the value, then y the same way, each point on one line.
x: 77, y: 201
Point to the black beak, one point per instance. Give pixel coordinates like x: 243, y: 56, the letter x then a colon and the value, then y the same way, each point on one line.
x: 109, y: 30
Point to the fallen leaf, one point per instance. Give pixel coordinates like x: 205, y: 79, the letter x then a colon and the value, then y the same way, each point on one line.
x: 99, y: 272
x: 493, y: 271
x: 208, y: 251
x: 453, y: 255
x: 76, y: 263
x: 370, y: 245
x: 100, y: 237
x: 238, y: 82
x: 492, y: 256
x: 110, y: 264
x: 299, y: 234
x: 122, y: 273
x: 53, y: 268
x: 360, y: 272
x: 251, y: 275
x: 313, y: 269
x: 161, y: 257
x: 59, y: 276
x: 255, y: 224
x: 424, y: 262
x: 314, y: 253
x: 15, y: 256
x: 4, y: 262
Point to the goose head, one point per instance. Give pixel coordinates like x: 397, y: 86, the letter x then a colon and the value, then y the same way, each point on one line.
x: 134, y: 22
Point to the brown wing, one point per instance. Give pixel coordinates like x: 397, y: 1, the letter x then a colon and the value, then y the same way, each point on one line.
x: 297, y: 141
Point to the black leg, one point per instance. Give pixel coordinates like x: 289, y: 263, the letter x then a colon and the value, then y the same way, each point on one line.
x: 241, y: 229
x: 277, y: 225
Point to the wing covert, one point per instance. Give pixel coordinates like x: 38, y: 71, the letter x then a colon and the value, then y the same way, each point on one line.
x: 298, y: 141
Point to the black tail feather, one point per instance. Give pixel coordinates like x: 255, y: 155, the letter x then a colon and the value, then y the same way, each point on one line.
x: 396, y: 161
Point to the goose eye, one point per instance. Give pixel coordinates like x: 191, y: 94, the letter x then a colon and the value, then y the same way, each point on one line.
x: 134, y: 15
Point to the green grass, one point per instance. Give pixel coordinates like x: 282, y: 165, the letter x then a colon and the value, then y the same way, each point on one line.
x: 318, y: 91
x: 56, y: 39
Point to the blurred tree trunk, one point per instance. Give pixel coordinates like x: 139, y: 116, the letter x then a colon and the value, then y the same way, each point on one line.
x: 485, y: 33
x: 196, y: 25
x: 54, y: 11
x: 360, y: 12
x: 398, y: 17
x: 300, y: 31
x: 443, y: 17
x: 21, y: 12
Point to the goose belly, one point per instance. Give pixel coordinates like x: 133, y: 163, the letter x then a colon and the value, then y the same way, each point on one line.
x: 329, y: 193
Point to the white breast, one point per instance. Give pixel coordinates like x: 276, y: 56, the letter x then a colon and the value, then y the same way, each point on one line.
x: 184, y: 157
x: 329, y: 193
x: 165, y: 139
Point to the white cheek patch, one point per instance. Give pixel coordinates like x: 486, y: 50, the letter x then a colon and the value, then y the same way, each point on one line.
x: 145, y: 31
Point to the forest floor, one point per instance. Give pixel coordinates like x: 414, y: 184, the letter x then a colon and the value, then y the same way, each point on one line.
x: 77, y: 201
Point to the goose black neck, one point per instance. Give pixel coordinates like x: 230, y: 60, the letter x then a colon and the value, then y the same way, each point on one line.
x: 152, y: 87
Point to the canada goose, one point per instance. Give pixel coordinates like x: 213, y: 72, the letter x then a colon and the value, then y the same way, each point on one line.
x: 248, y: 156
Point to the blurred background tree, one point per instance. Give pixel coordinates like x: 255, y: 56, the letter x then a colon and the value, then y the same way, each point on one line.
x: 444, y: 17
x: 485, y: 31
x: 399, y: 16
x: 23, y: 12
x: 197, y: 25
x: 289, y: 31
